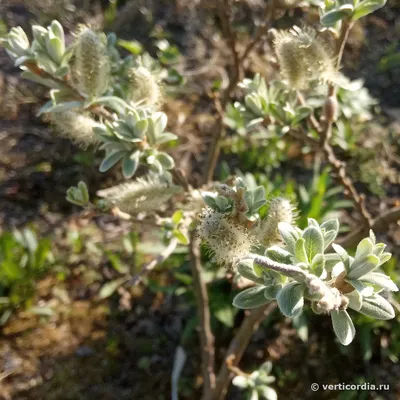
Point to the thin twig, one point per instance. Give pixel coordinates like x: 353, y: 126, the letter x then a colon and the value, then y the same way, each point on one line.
x: 379, y: 225
x: 206, y: 335
x: 133, y: 281
x: 238, y: 346
x: 225, y: 14
x: 224, y: 10
x: 341, y: 175
x: 326, y: 134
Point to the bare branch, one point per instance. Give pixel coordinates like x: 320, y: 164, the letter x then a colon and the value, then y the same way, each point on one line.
x: 379, y: 225
x: 203, y: 308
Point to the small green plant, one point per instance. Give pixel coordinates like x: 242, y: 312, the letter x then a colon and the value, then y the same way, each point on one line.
x: 24, y: 259
x: 256, y: 385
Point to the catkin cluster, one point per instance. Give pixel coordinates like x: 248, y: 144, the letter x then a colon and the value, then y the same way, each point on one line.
x: 303, y: 57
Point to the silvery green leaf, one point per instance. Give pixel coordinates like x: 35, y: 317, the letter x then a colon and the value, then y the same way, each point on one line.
x: 290, y: 299
x: 379, y: 249
x: 266, y: 367
x: 110, y: 287
x: 318, y: 264
x: 331, y: 259
x: 210, y: 201
x: 367, y: 7
x: 254, y: 395
x: 250, y: 298
x: 377, y: 307
x: 278, y: 254
x: 84, y: 190
x: 159, y: 123
x: 329, y: 237
x: 267, y: 393
x: 313, y: 222
x: 21, y: 60
x: 362, y: 266
x: 361, y: 287
x: 65, y: 106
x: 372, y: 237
x: 302, y: 112
x: 314, y: 242
x: 301, y: 325
x: 384, y: 258
x: 246, y: 269
x: 342, y: 253
x: 355, y: 300
x: 240, y: 381
x: 271, y: 291
x: 364, y: 248
x: 42, y: 81
x: 156, y: 166
x: 331, y: 225
x: 165, y: 160
x: 381, y: 280
x: 57, y: 30
x: 140, y: 128
x: 110, y: 160
x: 253, y: 104
x: 114, y: 103
x: 166, y: 137
x: 74, y: 196
x: 130, y: 164
x: 343, y: 327
x: 56, y: 49
x: 289, y: 235
x: 300, y: 252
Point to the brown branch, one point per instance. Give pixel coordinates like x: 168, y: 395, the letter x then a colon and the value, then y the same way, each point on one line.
x: 238, y: 346
x: 225, y: 14
x: 203, y: 309
x: 350, y: 191
x: 326, y: 134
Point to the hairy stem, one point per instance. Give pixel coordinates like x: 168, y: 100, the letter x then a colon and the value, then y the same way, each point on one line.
x: 203, y: 309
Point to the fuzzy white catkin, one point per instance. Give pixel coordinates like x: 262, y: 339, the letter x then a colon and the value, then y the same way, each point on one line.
x: 142, y: 195
x: 303, y: 57
x: 144, y: 87
x: 74, y: 126
x: 226, y: 239
x: 280, y: 210
x: 91, y: 65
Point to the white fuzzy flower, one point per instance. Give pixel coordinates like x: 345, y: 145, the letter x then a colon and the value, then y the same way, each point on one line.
x: 225, y: 237
x: 280, y: 210
x: 74, y: 126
